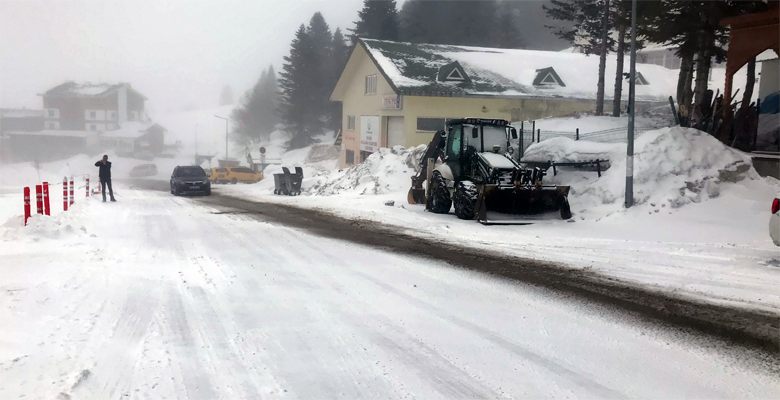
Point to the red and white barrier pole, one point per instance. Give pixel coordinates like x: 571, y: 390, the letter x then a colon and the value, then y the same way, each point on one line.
x: 72, y: 192
x: 39, y: 199
x: 27, y: 214
x: 46, y: 210
x: 65, y: 193
x: 87, y: 186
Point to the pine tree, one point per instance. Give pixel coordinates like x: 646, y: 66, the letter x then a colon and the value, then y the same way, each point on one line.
x: 257, y: 115
x: 307, y: 79
x: 295, y: 106
x: 463, y: 22
x: 507, y: 32
x: 339, y: 55
x: 378, y: 19
x: 588, y: 30
x: 622, y: 22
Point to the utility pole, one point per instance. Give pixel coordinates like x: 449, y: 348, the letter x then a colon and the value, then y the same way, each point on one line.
x: 226, y: 135
x: 631, y: 113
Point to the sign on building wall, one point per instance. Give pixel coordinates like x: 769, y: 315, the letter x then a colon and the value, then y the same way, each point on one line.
x: 369, y: 133
x: 391, y: 102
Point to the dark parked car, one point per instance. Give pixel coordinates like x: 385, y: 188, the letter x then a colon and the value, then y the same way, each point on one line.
x: 190, y: 179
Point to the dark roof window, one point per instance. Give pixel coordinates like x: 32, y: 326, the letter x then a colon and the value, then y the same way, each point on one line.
x: 547, y: 77
x: 452, y: 72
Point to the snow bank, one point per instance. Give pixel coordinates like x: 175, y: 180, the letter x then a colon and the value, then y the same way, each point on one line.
x: 673, y: 167
x: 386, y: 171
x: 60, y: 225
x: 562, y: 149
x: 593, y: 123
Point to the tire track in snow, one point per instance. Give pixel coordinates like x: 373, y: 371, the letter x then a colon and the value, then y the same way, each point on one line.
x: 584, y: 382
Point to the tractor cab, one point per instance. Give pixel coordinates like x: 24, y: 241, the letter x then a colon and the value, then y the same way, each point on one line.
x: 488, y: 139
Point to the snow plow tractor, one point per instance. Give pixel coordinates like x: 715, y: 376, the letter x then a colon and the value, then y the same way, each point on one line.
x: 470, y: 164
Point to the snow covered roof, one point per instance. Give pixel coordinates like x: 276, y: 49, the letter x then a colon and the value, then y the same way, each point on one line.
x: 130, y: 130
x: 55, y: 133
x: 413, y: 69
x: 20, y: 113
x: 87, y: 89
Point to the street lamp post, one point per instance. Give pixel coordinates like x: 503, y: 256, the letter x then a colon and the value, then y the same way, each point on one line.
x: 631, y: 113
x: 226, y: 134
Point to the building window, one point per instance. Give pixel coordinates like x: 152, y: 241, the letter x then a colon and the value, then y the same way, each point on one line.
x: 92, y: 127
x: 112, y: 115
x: 430, y: 124
x: 133, y: 115
x: 52, y: 125
x: 349, y: 157
x: 351, y: 122
x: 52, y: 113
x: 92, y: 115
x: 371, y: 84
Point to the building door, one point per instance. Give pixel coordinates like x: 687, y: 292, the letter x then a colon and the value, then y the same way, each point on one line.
x: 395, y: 131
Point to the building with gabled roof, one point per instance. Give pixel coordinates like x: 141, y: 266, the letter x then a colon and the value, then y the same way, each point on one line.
x: 91, y: 106
x: 396, y: 93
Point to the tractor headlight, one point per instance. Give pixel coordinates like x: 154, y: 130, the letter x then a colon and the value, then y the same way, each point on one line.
x: 511, y: 150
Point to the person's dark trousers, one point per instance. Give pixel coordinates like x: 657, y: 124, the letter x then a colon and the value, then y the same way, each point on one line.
x: 103, y: 184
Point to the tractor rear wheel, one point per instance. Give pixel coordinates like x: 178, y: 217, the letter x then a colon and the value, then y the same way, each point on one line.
x: 565, y: 209
x: 439, y: 201
x: 465, y: 199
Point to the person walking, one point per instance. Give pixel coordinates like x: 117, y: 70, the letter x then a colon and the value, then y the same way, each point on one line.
x: 105, y: 177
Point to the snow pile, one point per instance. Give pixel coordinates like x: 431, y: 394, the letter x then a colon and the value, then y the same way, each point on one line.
x: 562, y: 149
x: 594, y: 123
x: 386, y: 171
x: 673, y: 167
x: 61, y: 225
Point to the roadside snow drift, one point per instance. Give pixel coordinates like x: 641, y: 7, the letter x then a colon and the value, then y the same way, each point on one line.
x: 386, y: 171
x: 673, y: 167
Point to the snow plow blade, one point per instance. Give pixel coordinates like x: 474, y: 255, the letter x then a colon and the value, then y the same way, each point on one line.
x: 527, y: 203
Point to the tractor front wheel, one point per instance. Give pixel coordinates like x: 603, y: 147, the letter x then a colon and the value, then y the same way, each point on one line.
x: 439, y: 200
x: 465, y: 200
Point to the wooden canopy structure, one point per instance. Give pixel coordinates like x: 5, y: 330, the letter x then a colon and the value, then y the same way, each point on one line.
x: 750, y: 35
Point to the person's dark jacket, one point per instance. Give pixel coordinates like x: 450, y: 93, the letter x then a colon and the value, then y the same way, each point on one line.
x: 105, y: 170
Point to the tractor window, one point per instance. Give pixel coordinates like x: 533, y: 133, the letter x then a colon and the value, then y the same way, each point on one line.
x: 455, y: 140
x: 494, y: 136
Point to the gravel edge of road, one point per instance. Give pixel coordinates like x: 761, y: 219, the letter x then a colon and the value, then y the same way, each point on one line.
x: 751, y: 328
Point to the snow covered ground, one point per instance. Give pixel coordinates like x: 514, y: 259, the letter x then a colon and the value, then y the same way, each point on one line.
x: 159, y: 297
x: 699, y: 228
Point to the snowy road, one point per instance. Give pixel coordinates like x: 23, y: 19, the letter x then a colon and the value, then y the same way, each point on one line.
x: 162, y: 297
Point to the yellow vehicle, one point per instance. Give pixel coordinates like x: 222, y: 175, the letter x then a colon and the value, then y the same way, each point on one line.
x: 235, y: 175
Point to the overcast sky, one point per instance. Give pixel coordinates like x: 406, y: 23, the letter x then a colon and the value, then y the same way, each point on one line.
x: 179, y: 53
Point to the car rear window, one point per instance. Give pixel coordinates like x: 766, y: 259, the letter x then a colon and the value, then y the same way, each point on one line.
x: 221, y: 170
x: 190, y: 172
